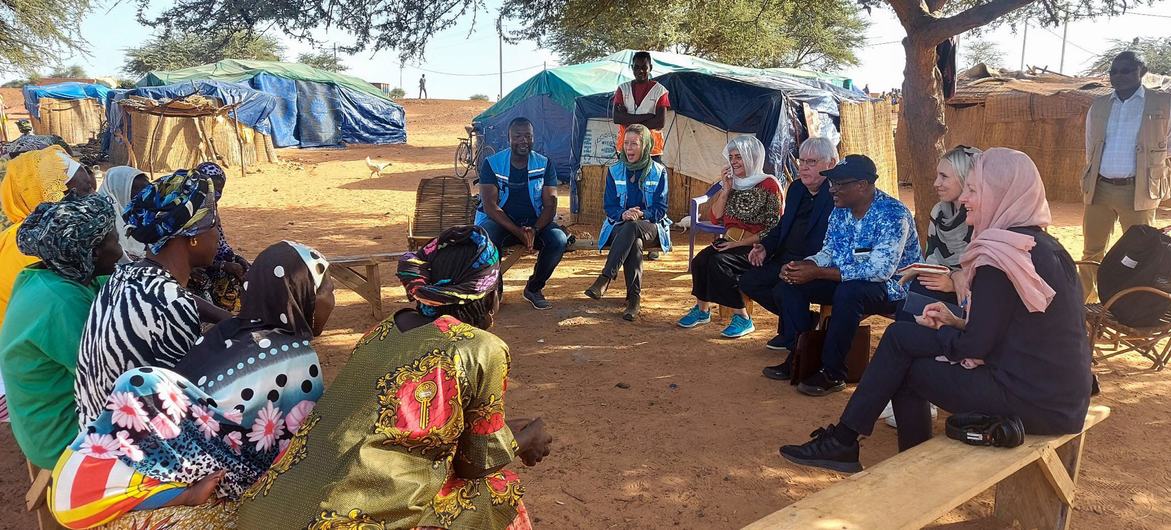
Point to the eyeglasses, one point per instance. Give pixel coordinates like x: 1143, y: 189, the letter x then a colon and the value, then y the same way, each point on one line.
x: 808, y: 161
x: 839, y: 185
x: 1123, y: 71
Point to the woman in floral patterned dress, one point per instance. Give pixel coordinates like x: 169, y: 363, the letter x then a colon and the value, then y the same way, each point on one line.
x: 412, y: 432
x: 171, y: 440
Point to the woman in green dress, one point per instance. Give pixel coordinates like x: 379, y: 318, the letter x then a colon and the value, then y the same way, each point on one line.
x: 412, y: 432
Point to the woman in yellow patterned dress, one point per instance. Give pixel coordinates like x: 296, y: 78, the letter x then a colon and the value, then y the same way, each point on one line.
x: 412, y: 432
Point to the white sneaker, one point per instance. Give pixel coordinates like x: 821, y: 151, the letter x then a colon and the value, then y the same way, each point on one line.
x: 888, y: 415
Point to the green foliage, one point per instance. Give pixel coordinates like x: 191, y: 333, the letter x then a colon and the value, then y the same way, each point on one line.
x: 742, y: 32
x: 479, y: 97
x: 323, y: 59
x: 126, y: 83
x: 1156, y: 52
x: 73, y: 71
x: 398, y: 93
x: 15, y: 83
x: 976, y: 50
x: 34, y: 33
x: 183, y: 50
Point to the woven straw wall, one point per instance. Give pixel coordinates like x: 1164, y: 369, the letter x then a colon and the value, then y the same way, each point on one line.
x: 177, y: 143
x: 867, y: 128
x: 76, y: 121
x: 1049, y: 128
x: 592, y: 186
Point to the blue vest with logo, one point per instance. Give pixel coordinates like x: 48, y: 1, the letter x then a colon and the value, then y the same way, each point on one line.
x: 501, y: 165
x: 649, y: 186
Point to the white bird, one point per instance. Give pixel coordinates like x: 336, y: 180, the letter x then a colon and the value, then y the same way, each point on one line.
x: 684, y: 223
x: 377, y: 166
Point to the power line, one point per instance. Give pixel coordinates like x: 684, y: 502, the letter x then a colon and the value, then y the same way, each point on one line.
x: 1071, y: 43
x: 436, y: 72
x: 1148, y: 15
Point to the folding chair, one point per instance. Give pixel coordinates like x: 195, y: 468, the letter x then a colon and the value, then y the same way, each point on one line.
x: 1111, y: 338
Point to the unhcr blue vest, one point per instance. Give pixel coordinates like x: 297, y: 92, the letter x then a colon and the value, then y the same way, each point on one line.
x: 501, y: 165
x: 649, y: 186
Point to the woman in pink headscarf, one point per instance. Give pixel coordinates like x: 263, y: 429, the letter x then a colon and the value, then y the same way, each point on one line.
x: 1019, y: 280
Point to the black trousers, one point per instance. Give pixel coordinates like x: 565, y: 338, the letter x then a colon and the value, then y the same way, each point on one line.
x: 760, y: 284
x: 627, y: 240
x: 715, y: 275
x: 905, y: 373
x: 852, y: 301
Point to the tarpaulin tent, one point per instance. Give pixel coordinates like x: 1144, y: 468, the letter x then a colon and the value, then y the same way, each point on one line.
x: 547, y: 99
x: 72, y: 111
x: 316, y: 107
x: 707, y: 110
x: 176, y: 126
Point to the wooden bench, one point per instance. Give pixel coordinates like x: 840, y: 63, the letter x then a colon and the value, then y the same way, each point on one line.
x: 361, y: 275
x: 1034, y: 483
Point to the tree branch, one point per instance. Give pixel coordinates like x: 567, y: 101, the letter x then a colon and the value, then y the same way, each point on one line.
x: 911, y: 13
x: 945, y: 28
x: 935, y: 5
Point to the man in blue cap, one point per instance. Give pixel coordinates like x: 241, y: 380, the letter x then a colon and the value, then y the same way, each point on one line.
x: 870, y: 236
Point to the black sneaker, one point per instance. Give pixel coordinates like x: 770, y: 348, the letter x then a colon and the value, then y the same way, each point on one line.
x: 819, y: 384
x: 776, y: 343
x: 599, y: 287
x: 537, y: 299
x: 652, y: 255
x: 824, y: 451
x: 780, y: 372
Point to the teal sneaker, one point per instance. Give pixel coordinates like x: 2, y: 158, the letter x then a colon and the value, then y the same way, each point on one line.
x: 695, y: 317
x: 738, y: 327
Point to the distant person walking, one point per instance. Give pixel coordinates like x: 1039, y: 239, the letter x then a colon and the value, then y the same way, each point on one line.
x: 1126, y: 174
x: 423, y: 87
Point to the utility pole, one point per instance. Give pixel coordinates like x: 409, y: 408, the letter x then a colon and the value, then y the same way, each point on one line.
x: 1024, y: 42
x: 1064, y: 37
x: 400, y: 76
x: 500, y: 34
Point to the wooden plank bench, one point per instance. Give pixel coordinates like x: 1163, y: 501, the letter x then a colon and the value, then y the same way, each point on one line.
x: 1034, y: 483
x: 361, y: 275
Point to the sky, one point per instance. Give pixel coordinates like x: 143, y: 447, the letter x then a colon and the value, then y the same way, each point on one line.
x: 465, y: 60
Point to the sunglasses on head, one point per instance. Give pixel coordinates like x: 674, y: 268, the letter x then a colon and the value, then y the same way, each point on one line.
x: 968, y: 150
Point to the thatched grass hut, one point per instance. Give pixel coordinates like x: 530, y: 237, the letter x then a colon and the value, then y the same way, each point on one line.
x: 73, y: 111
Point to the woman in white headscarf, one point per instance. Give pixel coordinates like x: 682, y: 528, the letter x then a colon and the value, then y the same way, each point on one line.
x: 121, y: 184
x: 748, y: 204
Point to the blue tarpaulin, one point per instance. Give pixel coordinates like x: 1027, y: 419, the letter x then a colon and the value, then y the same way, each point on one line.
x: 316, y: 108
x: 65, y: 91
x: 254, y: 108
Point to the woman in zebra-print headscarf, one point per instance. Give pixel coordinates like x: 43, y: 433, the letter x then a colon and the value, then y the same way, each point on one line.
x: 144, y: 316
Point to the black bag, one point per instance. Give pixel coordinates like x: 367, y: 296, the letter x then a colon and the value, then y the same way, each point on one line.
x: 1141, y: 258
x: 807, y: 355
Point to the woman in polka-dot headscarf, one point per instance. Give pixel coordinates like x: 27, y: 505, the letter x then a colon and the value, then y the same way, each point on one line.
x: 214, y: 424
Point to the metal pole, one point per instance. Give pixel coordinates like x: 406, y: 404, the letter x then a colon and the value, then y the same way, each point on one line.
x: 1064, y: 35
x: 1024, y: 42
x: 400, y: 76
x: 500, y: 33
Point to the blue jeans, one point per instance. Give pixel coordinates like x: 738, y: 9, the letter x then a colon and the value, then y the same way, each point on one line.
x: 550, y: 244
x: 852, y: 301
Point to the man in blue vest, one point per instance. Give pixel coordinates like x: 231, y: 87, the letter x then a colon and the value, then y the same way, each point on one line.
x: 518, y: 200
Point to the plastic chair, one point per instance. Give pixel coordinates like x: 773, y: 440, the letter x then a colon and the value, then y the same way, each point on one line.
x: 700, y: 226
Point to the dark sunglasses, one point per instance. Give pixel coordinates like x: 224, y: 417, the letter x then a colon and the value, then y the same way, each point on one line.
x: 1123, y: 71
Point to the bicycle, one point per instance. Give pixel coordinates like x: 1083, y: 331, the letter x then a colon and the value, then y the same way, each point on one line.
x: 471, y: 152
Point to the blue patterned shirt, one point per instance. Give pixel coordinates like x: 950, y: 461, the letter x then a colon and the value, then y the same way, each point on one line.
x: 874, y: 247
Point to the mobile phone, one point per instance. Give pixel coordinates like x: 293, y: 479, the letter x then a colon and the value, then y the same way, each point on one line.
x: 916, y: 303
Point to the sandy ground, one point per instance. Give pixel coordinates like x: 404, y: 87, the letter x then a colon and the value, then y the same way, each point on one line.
x: 692, y: 443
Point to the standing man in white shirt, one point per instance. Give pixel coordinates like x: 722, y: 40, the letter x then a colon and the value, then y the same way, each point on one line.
x: 1127, y: 172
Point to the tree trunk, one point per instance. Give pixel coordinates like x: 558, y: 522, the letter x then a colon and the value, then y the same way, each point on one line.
x: 919, y: 140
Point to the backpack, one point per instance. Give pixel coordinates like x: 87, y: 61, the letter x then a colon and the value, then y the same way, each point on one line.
x: 1141, y: 258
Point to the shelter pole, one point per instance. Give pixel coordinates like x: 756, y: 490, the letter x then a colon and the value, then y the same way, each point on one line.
x: 500, y: 96
x: 239, y: 138
x: 1064, y: 37
x: 1024, y: 42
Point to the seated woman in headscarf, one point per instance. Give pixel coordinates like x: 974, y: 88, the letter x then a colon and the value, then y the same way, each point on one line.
x: 144, y: 316
x: 77, y: 246
x: 636, y: 215
x: 34, y: 177
x: 747, y: 205
x: 169, y: 441
x: 1021, y: 281
x: 948, y: 233
x: 412, y: 431
x: 222, y: 281
x: 121, y: 184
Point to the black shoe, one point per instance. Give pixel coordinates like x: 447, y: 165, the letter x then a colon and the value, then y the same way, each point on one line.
x: 537, y: 299
x: 819, y: 384
x: 824, y: 451
x: 776, y: 343
x: 1095, y: 389
x: 652, y: 255
x: 598, y: 289
x: 780, y: 372
x: 631, y: 309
